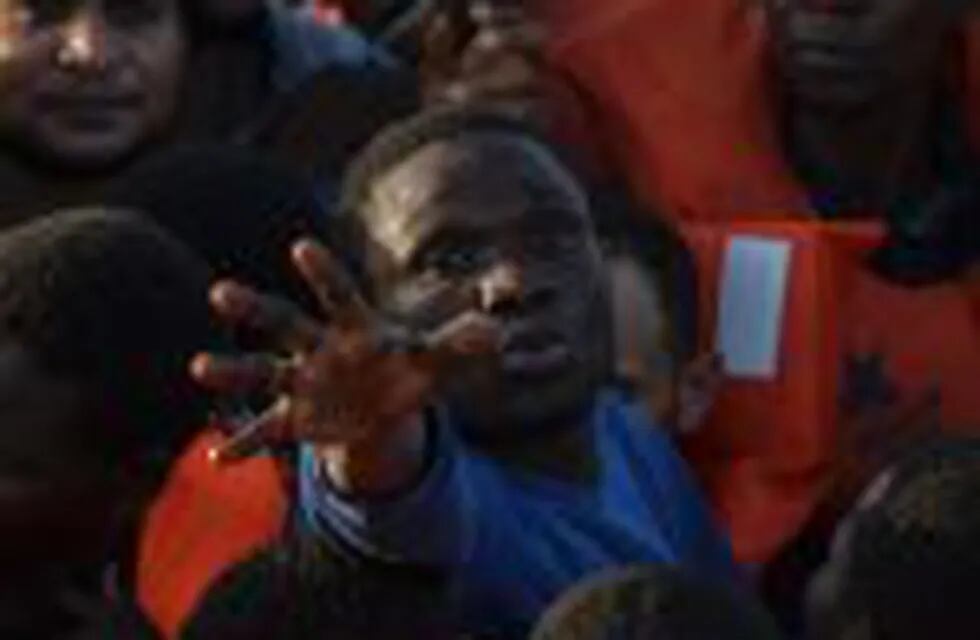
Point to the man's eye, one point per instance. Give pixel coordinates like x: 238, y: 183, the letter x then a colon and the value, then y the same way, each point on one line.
x: 455, y: 261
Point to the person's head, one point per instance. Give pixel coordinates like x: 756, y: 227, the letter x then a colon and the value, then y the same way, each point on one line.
x: 84, y: 84
x: 457, y: 210
x: 653, y: 603
x: 858, y: 54
x: 99, y: 313
x: 653, y: 284
x: 302, y: 590
x: 905, y: 564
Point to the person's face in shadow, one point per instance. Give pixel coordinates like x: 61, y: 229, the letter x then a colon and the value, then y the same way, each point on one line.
x: 56, y: 504
x: 843, y: 55
x: 492, y: 222
x: 678, y: 392
x: 86, y: 83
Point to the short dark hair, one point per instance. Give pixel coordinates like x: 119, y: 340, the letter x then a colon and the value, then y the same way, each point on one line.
x: 304, y: 589
x: 239, y: 211
x: 655, y: 603
x: 110, y: 301
x: 401, y: 139
x: 914, y: 560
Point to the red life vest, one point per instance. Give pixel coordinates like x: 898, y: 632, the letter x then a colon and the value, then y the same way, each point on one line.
x: 206, y: 519
x: 685, y: 109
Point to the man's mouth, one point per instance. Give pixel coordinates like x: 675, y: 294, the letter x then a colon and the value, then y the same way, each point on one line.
x: 534, y: 355
x: 89, y: 106
x: 831, y: 59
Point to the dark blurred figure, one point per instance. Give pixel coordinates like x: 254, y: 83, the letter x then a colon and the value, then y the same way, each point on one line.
x: 905, y: 564
x: 654, y: 306
x: 238, y: 210
x: 246, y: 52
x: 99, y: 313
x: 653, y: 603
x: 275, y: 80
x: 301, y: 590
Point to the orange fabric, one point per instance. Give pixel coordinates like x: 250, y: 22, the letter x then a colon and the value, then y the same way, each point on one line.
x: 765, y: 452
x: 206, y: 519
x: 682, y: 91
x: 681, y: 87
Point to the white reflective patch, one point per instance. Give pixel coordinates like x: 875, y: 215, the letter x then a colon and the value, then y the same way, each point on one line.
x: 753, y: 296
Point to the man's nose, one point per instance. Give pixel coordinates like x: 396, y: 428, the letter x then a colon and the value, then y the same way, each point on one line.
x: 85, y: 45
x: 501, y: 287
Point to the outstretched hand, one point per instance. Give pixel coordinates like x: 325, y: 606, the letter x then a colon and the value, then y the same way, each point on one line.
x: 351, y: 381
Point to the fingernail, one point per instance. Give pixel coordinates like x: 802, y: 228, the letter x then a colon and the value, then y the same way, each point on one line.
x: 304, y: 248
x: 226, y: 295
x: 199, y: 365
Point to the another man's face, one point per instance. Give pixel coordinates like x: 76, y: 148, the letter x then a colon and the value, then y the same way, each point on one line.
x: 848, y: 54
x: 85, y: 83
x: 493, y: 222
x: 51, y: 516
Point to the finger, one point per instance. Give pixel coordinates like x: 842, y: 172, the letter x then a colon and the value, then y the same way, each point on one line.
x: 486, y: 12
x: 271, y: 427
x: 243, y: 374
x: 273, y: 316
x: 525, y: 39
x: 335, y: 290
x: 469, y: 334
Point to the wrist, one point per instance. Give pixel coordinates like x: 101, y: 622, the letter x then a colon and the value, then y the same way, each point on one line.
x: 387, y: 464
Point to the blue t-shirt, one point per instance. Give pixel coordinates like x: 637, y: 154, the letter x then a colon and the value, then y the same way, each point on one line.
x: 512, y: 541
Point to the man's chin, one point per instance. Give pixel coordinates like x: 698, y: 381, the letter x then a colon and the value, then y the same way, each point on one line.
x: 522, y: 408
x: 87, y: 153
x: 834, y: 97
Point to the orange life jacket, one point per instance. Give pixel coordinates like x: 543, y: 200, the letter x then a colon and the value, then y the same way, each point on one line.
x: 685, y: 109
x: 206, y: 519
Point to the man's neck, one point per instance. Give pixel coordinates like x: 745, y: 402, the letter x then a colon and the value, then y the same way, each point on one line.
x: 880, y: 152
x: 565, y: 453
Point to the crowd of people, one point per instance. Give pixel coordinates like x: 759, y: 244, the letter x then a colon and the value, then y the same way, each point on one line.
x: 489, y: 319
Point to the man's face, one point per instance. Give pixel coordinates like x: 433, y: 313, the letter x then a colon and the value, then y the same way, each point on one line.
x: 53, y: 510
x: 851, y: 54
x: 85, y: 83
x: 493, y: 222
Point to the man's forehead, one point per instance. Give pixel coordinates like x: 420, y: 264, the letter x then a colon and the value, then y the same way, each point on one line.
x: 489, y: 171
x: 475, y: 163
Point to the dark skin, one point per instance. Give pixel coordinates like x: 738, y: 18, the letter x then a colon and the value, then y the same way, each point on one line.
x: 480, y: 252
x: 840, y: 62
x: 60, y: 512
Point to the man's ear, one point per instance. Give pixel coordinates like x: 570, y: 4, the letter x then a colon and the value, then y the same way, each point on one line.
x: 698, y: 385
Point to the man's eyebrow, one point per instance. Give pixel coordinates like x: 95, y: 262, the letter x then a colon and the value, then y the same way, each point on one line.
x: 439, y: 237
